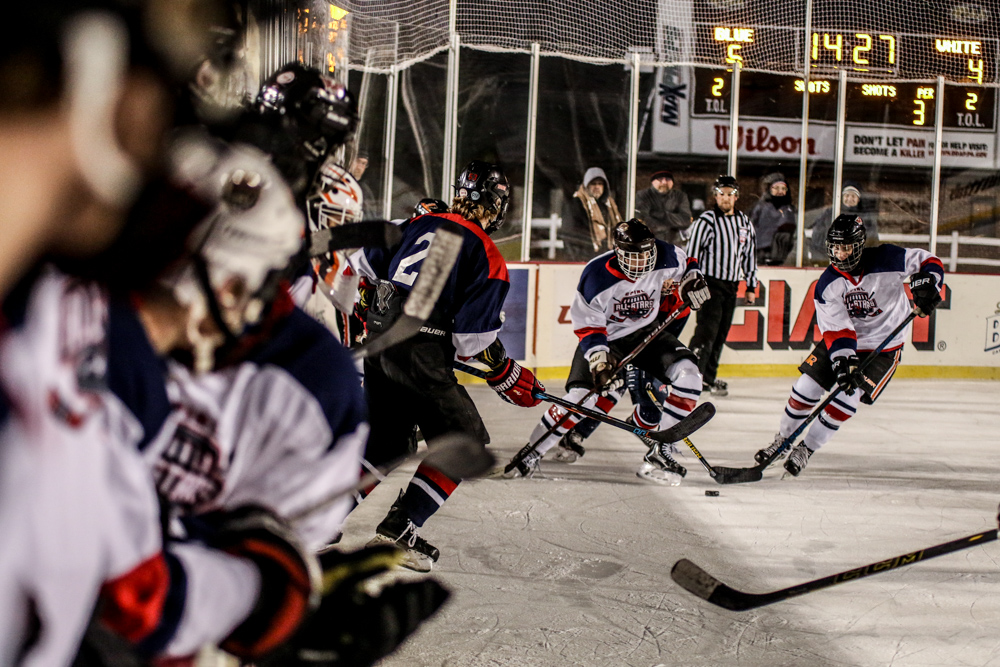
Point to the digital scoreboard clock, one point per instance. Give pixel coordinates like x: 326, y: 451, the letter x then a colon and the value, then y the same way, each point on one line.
x: 884, y: 54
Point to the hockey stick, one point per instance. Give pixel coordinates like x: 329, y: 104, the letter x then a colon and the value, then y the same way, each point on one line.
x: 700, y: 416
x: 455, y: 455
x: 531, y: 446
x: 756, y: 473
x: 723, y: 475
x: 695, y: 580
x: 368, y: 234
x: 434, y: 271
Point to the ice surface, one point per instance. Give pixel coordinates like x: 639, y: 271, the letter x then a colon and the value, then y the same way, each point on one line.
x: 574, y: 568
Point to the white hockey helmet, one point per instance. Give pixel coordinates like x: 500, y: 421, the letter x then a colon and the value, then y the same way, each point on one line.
x: 334, y: 199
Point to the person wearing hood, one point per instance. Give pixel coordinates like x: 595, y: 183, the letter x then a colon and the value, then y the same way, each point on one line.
x: 665, y: 209
x: 588, y: 218
x: 773, y: 218
x: 851, y: 201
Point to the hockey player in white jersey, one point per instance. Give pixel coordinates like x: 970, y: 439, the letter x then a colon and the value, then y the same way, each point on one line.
x: 860, y: 299
x: 616, y: 304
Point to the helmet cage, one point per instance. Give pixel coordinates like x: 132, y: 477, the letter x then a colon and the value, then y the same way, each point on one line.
x: 637, y: 261
x: 846, y: 233
x: 335, y: 199
x: 485, y: 184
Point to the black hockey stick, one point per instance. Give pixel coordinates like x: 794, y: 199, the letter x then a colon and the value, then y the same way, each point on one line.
x: 695, y: 580
x: 455, y: 455
x: 434, y: 271
x: 756, y: 473
x: 531, y: 446
x: 700, y: 416
x: 368, y: 234
x: 723, y: 475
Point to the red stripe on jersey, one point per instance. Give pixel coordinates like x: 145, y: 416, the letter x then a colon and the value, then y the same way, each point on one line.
x: 615, y: 272
x: 498, y: 266
x: 438, y: 477
x: 932, y: 260
x: 796, y: 404
x: 590, y: 331
x: 131, y: 605
x: 836, y: 413
x: 681, y: 403
x: 830, y: 336
x: 604, y: 404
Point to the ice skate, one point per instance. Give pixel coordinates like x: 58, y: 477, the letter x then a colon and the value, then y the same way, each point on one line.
x: 570, y: 448
x: 717, y: 388
x: 526, y: 468
x: 672, y: 448
x: 659, y: 467
x: 798, y: 459
x: 769, y: 451
x: 397, y: 528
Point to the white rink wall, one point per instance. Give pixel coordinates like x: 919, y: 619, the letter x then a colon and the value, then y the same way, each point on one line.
x: 960, y: 340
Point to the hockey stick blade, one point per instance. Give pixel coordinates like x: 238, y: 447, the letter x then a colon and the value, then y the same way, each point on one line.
x: 434, y: 271
x: 723, y: 475
x: 700, y: 416
x: 456, y: 455
x: 696, y: 581
x: 368, y: 234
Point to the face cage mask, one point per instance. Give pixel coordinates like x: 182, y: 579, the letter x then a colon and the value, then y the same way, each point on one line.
x: 636, y: 264
x: 851, y: 262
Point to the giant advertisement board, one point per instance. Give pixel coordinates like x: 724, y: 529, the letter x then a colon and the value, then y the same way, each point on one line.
x: 961, y: 338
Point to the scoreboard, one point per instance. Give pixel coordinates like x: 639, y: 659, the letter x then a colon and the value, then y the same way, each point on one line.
x: 882, y: 102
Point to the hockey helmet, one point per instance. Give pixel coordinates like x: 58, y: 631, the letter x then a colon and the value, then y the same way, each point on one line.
x: 846, y: 234
x: 318, y: 112
x: 725, y: 182
x: 334, y: 199
x: 428, y: 206
x: 635, y: 248
x: 485, y: 184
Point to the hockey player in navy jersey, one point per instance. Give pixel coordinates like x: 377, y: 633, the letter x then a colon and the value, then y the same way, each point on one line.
x: 860, y: 299
x: 413, y: 382
x: 617, y: 302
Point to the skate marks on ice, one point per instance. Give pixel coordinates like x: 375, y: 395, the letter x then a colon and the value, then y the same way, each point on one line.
x: 575, y: 570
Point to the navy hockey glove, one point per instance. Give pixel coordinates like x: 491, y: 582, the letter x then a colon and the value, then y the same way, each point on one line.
x: 515, y: 384
x: 359, y: 620
x: 694, y: 290
x: 289, y: 576
x: 844, y: 371
x: 926, y: 296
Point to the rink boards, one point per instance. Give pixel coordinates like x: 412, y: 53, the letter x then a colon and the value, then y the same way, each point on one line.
x: 960, y: 340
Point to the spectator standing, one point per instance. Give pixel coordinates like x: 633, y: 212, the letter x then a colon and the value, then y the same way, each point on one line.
x: 359, y: 165
x: 589, y: 217
x: 665, y: 210
x: 852, y: 202
x: 773, y: 218
x: 724, y: 243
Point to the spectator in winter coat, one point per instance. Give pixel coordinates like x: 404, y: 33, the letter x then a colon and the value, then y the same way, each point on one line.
x: 773, y: 218
x: 851, y: 201
x: 666, y: 211
x: 588, y: 218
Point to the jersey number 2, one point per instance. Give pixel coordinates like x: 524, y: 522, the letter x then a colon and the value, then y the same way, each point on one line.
x: 409, y: 277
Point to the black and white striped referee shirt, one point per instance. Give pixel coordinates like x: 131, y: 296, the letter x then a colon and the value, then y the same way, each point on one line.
x: 725, y: 246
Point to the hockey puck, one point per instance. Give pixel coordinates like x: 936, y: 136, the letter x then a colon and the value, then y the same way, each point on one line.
x: 711, y: 492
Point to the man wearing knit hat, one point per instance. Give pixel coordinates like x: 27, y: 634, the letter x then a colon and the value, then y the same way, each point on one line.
x: 665, y: 210
x: 851, y: 201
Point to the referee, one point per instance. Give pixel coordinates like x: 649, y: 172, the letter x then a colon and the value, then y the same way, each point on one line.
x: 724, y: 243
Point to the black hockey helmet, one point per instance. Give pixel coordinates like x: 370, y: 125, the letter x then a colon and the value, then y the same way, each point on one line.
x: 319, y: 113
x: 635, y: 248
x: 846, y: 232
x: 725, y: 182
x: 485, y: 184
x: 429, y: 205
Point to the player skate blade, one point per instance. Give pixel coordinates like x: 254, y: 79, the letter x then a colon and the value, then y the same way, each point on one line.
x: 411, y: 560
x: 653, y: 474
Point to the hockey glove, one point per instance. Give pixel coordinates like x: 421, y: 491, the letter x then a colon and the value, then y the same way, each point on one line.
x: 289, y: 576
x: 360, y: 619
x: 602, y: 369
x: 515, y: 384
x: 926, y: 295
x: 694, y: 290
x: 844, y: 371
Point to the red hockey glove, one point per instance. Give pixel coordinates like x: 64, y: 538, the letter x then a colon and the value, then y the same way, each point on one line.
x: 515, y: 384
